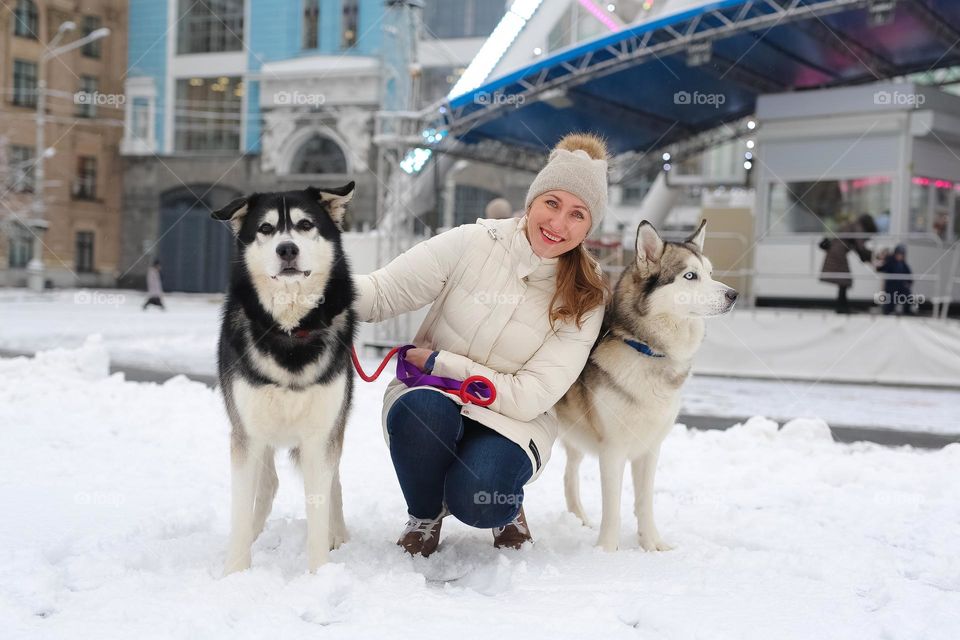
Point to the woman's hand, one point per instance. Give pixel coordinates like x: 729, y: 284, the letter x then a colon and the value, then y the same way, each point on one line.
x: 418, y: 356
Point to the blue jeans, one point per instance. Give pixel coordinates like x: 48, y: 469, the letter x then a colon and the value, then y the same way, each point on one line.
x: 443, y: 457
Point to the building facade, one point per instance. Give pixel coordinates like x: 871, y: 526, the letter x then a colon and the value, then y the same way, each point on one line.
x: 81, y: 191
x: 229, y: 97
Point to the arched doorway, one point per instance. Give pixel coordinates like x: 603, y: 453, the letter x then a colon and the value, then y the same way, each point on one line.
x: 318, y: 154
x: 195, y: 250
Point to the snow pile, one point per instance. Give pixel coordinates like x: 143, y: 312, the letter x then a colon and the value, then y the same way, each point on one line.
x: 90, y: 361
x: 116, y: 500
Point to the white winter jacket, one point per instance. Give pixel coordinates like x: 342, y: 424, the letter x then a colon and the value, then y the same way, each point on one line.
x: 491, y: 295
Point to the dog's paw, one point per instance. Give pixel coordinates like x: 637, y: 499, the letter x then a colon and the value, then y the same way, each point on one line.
x: 338, y: 539
x: 236, y: 562
x: 608, y: 545
x: 652, y: 542
x: 582, y: 518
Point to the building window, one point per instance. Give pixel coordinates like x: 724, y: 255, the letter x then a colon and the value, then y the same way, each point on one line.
x: 20, y: 247
x: 84, y: 252
x: 436, y: 82
x: 85, y: 97
x: 91, y: 24
x: 210, y: 26
x: 348, y: 31
x: 25, y: 23
x: 140, y: 118
x: 470, y: 203
x: 311, y: 24
x: 633, y: 193
x: 207, y: 114
x: 462, y: 18
x: 930, y: 205
x: 24, y: 83
x: 319, y: 154
x: 85, y: 188
x: 20, y: 162
x: 818, y: 207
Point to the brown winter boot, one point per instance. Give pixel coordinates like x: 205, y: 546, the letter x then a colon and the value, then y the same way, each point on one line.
x: 421, y: 536
x: 514, y: 534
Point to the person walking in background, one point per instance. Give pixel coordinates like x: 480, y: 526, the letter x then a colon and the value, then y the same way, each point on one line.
x: 154, y: 287
x: 836, y: 268
x: 897, y: 289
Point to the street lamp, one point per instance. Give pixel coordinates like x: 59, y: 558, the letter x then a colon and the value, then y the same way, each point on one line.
x: 35, y: 268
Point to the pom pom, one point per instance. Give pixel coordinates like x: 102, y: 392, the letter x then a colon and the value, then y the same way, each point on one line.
x: 594, y: 146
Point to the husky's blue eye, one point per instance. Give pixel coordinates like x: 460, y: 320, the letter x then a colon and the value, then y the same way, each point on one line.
x: 305, y: 225
x: 266, y: 228
x: 690, y: 275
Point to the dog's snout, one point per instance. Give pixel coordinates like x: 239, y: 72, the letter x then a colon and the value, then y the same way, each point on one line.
x: 287, y: 251
x: 731, y: 295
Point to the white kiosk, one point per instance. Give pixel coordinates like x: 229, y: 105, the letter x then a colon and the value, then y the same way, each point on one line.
x: 888, y: 149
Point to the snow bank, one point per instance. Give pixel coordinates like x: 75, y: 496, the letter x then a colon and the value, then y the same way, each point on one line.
x: 811, y: 345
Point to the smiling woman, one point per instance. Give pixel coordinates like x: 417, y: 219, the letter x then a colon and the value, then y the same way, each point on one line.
x: 517, y: 301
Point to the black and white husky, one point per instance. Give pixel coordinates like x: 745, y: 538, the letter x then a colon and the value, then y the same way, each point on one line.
x: 284, y: 360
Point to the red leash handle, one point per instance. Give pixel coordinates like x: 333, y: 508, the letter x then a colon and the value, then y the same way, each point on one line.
x: 464, y: 395
x: 469, y: 397
x: 376, y: 374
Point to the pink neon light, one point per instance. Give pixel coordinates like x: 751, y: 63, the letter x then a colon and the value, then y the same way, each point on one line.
x: 923, y: 182
x: 943, y: 184
x: 599, y: 15
x: 866, y: 182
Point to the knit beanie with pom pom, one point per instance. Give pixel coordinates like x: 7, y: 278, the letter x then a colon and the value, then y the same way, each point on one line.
x: 578, y: 164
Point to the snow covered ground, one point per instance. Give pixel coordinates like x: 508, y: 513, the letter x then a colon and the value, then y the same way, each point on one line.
x: 116, y: 507
x: 184, y: 340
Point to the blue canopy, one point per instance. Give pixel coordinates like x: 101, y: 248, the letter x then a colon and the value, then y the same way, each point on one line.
x: 661, y: 82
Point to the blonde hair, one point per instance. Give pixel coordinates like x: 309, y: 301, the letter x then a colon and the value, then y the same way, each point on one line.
x: 581, y: 286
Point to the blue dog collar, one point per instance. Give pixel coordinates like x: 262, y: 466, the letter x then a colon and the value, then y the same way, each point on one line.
x: 644, y: 348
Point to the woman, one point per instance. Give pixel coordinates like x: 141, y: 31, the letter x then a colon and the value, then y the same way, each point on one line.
x: 154, y: 287
x: 836, y: 269
x: 519, y: 301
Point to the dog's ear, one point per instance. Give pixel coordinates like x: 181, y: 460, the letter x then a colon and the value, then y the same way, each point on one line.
x: 649, y: 244
x: 335, y: 199
x: 234, y: 211
x: 698, y: 236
